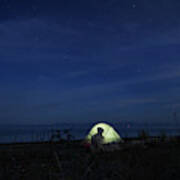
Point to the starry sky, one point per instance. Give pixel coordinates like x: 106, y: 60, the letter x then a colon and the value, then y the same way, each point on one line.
x: 89, y: 60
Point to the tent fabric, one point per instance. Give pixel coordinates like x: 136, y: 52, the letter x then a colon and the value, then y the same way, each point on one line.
x: 109, y: 134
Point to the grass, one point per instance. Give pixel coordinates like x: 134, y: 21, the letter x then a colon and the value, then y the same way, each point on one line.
x: 37, y: 161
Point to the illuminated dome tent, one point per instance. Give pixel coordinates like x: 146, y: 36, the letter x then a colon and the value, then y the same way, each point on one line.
x: 110, y: 135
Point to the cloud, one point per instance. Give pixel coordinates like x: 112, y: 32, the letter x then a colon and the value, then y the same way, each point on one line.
x: 43, y: 39
x: 76, y: 74
x: 102, y: 89
x: 34, y: 30
x: 171, y: 72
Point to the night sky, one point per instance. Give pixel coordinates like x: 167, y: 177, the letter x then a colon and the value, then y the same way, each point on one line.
x: 89, y: 60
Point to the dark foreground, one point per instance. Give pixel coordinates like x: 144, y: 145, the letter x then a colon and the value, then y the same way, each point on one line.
x: 71, y: 161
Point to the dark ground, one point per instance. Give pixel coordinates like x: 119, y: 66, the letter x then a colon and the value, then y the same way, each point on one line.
x: 133, y: 162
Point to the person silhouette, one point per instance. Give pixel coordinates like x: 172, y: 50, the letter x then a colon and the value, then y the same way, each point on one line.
x: 97, y: 140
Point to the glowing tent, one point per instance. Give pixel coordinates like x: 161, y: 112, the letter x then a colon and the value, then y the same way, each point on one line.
x: 110, y: 135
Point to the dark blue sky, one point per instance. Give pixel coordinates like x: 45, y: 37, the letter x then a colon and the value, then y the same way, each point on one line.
x: 83, y: 61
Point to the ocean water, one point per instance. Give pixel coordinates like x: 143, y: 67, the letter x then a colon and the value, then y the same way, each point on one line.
x: 39, y: 133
